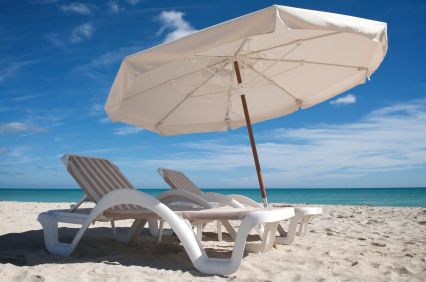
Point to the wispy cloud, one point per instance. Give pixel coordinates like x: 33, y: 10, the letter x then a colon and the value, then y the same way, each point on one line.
x: 43, y: 2
x: 110, y: 58
x: 175, y: 26
x: 111, y: 150
x: 77, y: 8
x: 25, y: 97
x: 81, y: 32
x: 134, y: 2
x: 20, y: 127
x: 55, y: 40
x: 96, y: 109
x: 100, y: 68
x: 114, y: 7
x: 10, y: 69
x: 389, y: 139
x: 126, y: 130
x: 346, y: 100
x: 17, y: 155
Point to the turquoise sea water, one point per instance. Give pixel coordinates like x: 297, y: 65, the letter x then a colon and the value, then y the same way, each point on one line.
x: 396, y: 197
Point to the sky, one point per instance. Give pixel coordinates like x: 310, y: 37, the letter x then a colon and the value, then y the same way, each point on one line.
x: 58, y: 60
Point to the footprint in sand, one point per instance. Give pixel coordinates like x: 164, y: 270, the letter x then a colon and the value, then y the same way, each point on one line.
x: 422, y: 222
x: 378, y: 244
x: 37, y: 278
x: 403, y: 270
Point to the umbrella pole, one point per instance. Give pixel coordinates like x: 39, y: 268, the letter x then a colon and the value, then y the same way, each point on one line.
x: 252, y: 142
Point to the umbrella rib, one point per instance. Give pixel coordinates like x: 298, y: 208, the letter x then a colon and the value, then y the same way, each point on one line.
x: 189, y: 94
x: 168, y: 81
x: 241, y: 47
x: 275, y: 62
x: 277, y: 74
x: 309, y: 62
x: 213, y: 56
x: 273, y: 82
x: 225, y: 91
x: 224, y: 56
x: 295, y: 41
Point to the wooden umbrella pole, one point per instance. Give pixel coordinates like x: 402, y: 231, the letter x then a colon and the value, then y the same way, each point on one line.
x: 252, y: 142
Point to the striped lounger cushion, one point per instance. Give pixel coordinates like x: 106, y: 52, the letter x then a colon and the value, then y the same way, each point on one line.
x: 97, y: 177
x: 178, y: 180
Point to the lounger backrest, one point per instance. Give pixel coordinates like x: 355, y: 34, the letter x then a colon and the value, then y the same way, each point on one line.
x: 96, y: 176
x: 178, y: 180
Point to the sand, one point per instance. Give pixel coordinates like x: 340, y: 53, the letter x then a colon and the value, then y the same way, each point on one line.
x: 346, y: 243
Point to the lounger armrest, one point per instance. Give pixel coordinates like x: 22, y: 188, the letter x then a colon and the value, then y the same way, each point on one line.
x: 73, y: 207
x: 245, y: 200
x: 176, y: 196
x: 222, y: 199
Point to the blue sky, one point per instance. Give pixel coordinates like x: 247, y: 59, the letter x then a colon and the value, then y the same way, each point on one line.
x: 58, y: 60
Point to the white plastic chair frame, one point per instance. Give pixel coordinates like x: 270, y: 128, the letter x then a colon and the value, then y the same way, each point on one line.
x: 171, y: 197
x: 302, y: 214
x: 189, y: 240
x: 302, y: 217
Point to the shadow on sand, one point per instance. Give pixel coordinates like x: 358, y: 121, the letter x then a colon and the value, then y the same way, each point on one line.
x: 97, y: 246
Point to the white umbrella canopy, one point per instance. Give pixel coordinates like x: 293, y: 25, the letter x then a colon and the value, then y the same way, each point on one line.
x: 289, y: 58
x: 286, y: 59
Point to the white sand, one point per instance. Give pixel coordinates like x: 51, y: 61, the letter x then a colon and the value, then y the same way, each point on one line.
x: 345, y: 243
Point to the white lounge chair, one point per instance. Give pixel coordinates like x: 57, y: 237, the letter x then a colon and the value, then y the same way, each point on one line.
x: 98, y: 176
x: 101, y: 177
x: 180, y: 182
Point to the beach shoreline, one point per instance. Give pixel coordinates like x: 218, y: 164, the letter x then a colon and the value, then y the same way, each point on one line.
x: 356, y: 243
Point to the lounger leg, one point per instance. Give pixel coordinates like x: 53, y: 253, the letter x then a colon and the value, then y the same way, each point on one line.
x: 267, y: 240
x: 50, y: 231
x: 281, y: 230
x: 114, y: 230
x: 303, y: 227
x: 198, y: 226
x: 291, y: 233
x: 160, y: 231
x: 49, y: 223
x: 230, y: 229
x: 219, y: 230
x: 134, y: 231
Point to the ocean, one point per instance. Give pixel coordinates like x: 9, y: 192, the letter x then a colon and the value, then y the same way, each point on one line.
x: 394, y: 197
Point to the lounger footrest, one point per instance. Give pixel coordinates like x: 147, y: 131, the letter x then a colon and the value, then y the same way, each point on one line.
x: 66, y: 216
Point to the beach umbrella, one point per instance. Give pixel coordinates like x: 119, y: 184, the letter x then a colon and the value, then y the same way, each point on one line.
x: 253, y: 68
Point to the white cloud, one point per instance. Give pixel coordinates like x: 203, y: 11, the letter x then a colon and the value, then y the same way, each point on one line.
x: 175, y: 25
x: 390, y: 139
x: 114, y: 7
x: 55, y: 40
x: 104, y: 120
x: 25, y: 98
x: 17, y: 155
x: 126, y: 130
x: 11, y: 68
x: 96, y: 109
x: 84, y: 31
x: 134, y: 2
x: 110, y: 58
x: 77, y: 8
x: 20, y: 127
x: 100, y: 68
x: 346, y: 100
